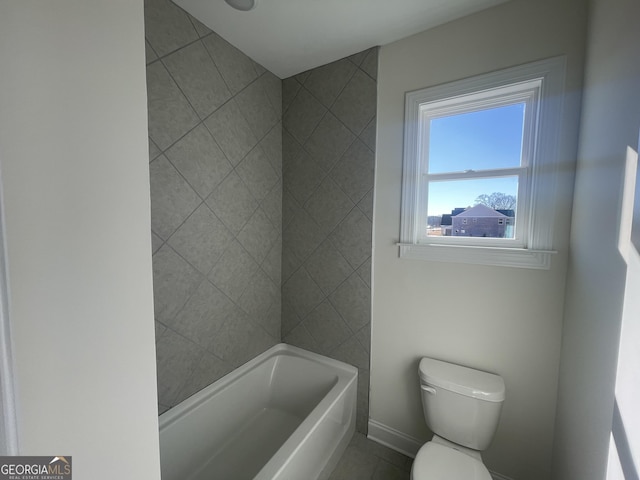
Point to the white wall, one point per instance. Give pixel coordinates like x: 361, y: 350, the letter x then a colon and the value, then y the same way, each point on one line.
x: 75, y: 174
x: 595, y: 285
x: 513, y: 317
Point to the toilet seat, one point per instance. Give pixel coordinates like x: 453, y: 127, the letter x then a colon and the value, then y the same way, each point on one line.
x: 438, y: 462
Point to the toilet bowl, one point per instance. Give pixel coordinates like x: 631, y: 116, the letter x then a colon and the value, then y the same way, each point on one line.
x: 462, y: 407
x: 438, y: 462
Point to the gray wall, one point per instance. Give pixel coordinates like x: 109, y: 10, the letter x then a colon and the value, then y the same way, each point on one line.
x: 328, y: 156
x: 216, y: 202
x: 596, y: 276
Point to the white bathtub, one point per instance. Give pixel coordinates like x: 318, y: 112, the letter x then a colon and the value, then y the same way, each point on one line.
x: 288, y: 414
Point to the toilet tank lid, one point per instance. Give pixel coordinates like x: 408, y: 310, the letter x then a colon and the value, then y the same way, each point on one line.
x: 463, y: 380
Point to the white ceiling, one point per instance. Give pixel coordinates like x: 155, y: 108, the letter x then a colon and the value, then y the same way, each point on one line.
x: 291, y: 36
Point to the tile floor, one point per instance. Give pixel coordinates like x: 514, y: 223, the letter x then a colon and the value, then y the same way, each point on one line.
x: 365, y: 459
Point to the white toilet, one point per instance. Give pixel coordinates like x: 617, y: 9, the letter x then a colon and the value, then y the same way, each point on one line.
x: 462, y: 407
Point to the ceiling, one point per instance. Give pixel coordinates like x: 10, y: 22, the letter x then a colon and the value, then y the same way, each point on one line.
x: 291, y: 36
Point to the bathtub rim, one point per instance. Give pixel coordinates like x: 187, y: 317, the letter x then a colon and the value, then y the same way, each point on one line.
x: 344, y: 372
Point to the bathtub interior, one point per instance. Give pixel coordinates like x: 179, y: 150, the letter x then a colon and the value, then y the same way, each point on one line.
x: 237, y: 433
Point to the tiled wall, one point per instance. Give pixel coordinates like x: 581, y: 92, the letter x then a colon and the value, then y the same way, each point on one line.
x: 329, y: 132
x: 215, y: 141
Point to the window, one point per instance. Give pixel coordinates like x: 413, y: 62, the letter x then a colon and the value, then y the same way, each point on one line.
x: 477, y: 149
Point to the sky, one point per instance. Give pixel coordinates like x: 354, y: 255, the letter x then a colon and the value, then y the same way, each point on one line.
x: 485, y: 139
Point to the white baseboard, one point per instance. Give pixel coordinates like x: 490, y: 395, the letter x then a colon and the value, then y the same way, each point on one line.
x: 405, y: 444
x: 392, y: 438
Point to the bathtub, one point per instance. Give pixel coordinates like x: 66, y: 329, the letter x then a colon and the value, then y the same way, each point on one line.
x: 288, y: 414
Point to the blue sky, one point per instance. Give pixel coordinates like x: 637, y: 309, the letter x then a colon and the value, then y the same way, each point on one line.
x: 480, y: 140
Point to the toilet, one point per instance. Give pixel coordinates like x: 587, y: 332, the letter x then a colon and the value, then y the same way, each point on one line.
x: 461, y: 407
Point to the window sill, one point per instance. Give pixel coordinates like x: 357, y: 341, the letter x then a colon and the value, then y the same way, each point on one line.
x: 493, y: 256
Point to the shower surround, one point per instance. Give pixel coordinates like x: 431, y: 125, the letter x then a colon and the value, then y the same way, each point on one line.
x: 238, y: 264
x: 329, y: 132
x: 216, y: 202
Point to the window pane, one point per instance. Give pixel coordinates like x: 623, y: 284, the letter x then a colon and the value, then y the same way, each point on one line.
x: 486, y: 139
x: 473, y: 208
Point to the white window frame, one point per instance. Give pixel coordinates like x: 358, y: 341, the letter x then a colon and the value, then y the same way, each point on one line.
x: 541, y: 86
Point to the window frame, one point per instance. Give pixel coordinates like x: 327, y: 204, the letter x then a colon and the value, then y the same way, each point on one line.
x: 543, y: 84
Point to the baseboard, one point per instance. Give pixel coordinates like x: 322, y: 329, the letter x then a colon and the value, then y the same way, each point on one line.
x: 405, y: 444
x: 392, y: 438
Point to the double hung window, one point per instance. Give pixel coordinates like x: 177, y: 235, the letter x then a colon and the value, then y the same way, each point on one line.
x: 480, y: 168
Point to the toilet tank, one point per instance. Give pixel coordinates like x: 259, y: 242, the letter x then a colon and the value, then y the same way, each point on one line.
x: 461, y: 404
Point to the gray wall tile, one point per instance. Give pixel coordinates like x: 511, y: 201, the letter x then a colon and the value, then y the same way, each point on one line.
x: 198, y: 78
x: 368, y: 135
x: 303, y: 115
x: 258, y: 296
x: 234, y: 271
x: 364, y: 337
x: 156, y: 242
x: 302, y: 77
x: 176, y: 360
x: 240, y: 340
x: 352, y: 238
x: 354, y: 171
x: 200, y: 319
x: 233, y: 203
x: 370, y: 63
x: 200, y: 161
x: 352, y: 300
x: 172, y: 198
x: 290, y: 319
x: 290, y: 88
x: 272, y: 204
x: 329, y: 141
x: 326, y: 326
x: 326, y: 257
x: 356, y: 105
x: 200, y: 27
x: 271, y: 144
x: 160, y: 329
x: 167, y: 27
x: 174, y: 281
x: 301, y: 176
x: 201, y: 239
x: 357, y: 58
x: 236, y: 68
x: 273, y: 87
x: 256, y: 172
x: 272, y: 264
x: 328, y: 267
x: 259, y: 68
x: 328, y: 205
x: 300, y: 337
x: 272, y: 323
x: 203, y: 276
x: 301, y: 237
x: 154, y: 151
x: 302, y: 292
x: 231, y: 131
x: 352, y: 352
x: 149, y: 53
x: 170, y: 114
x: 258, y: 235
x: 257, y: 109
x: 366, y: 204
x: 326, y: 82
x: 207, y: 370
x: 364, y: 272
